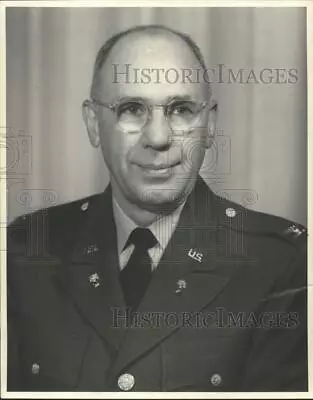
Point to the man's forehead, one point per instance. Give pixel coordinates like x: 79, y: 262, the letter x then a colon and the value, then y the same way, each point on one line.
x: 147, y: 46
x: 144, y: 61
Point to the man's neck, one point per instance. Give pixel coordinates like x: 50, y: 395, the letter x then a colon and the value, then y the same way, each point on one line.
x: 140, y: 216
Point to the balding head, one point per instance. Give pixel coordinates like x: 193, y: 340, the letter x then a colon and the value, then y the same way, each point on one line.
x: 140, y: 36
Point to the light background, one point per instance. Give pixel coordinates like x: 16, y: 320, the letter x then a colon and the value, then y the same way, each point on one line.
x: 260, y: 158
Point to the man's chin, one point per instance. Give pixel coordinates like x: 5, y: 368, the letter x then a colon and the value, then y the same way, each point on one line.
x: 161, y: 199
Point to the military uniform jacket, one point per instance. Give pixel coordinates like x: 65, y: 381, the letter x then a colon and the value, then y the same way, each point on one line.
x: 224, y: 311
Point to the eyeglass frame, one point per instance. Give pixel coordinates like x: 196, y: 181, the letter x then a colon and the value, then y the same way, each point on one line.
x: 112, y: 107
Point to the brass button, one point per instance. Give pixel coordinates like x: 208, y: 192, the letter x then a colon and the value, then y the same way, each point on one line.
x: 216, y: 379
x: 35, y: 368
x: 85, y: 206
x: 230, y: 212
x: 126, y: 382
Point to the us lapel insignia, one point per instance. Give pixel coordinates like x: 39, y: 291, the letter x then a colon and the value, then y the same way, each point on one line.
x: 195, y: 255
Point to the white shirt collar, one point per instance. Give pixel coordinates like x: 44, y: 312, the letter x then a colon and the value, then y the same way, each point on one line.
x: 163, y: 228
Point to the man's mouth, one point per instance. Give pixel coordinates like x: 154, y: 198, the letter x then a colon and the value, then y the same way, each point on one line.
x: 157, y: 169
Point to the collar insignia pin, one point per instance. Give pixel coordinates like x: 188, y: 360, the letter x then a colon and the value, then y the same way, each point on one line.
x: 94, y: 280
x: 181, y: 285
x: 92, y: 249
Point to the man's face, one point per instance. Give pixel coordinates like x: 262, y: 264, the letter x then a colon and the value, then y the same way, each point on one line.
x: 153, y: 167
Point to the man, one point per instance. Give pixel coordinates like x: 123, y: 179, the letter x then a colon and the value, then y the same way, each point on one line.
x: 156, y: 284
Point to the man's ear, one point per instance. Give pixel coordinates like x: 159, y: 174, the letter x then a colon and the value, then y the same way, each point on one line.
x: 91, y: 121
x: 211, y: 123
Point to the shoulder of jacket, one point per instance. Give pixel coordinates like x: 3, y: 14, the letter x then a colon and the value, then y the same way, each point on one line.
x: 257, y: 223
x: 57, y: 220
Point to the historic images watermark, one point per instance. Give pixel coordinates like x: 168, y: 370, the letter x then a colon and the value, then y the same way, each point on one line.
x: 221, y: 73
x: 219, y: 318
x: 18, y: 147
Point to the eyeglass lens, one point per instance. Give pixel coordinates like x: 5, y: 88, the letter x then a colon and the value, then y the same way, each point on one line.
x: 132, y: 115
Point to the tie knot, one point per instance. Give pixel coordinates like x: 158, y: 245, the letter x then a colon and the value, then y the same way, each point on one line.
x: 143, y: 238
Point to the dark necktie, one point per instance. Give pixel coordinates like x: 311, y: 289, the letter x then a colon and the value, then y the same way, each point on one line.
x: 136, y: 275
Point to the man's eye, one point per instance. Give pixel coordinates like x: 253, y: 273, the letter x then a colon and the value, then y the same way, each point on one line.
x: 131, y: 109
x: 183, y: 109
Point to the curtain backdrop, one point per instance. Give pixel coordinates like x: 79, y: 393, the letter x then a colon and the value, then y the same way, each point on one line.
x: 259, y: 157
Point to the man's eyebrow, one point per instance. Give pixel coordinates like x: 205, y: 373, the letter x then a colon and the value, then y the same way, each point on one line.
x: 126, y: 98
x: 179, y: 97
x: 146, y: 99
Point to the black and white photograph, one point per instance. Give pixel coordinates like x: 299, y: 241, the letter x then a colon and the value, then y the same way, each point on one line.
x: 155, y: 229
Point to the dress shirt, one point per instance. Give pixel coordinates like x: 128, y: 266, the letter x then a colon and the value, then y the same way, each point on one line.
x: 162, y: 228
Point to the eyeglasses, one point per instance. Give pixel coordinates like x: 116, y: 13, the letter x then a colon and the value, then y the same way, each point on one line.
x: 132, y: 114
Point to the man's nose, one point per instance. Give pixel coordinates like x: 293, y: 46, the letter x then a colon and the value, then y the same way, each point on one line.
x: 156, y: 132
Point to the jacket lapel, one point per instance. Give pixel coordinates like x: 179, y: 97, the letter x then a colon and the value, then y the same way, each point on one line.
x: 191, y: 259
x: 90, y: 275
